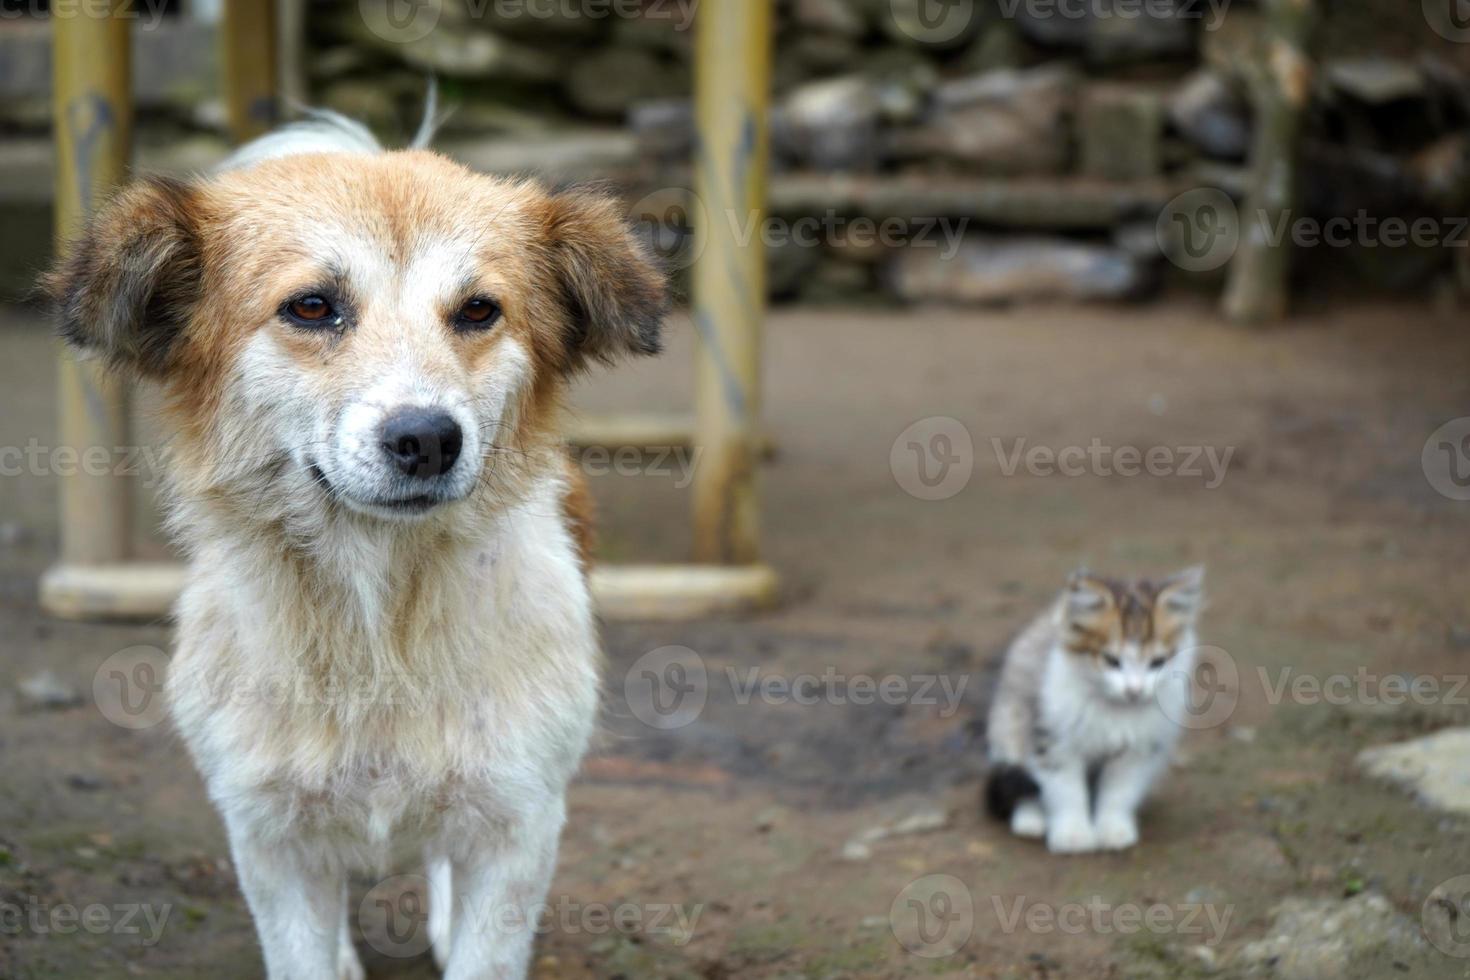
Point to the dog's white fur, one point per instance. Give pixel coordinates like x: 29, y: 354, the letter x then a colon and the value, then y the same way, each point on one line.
x: 351, y: 678
x: 465, y: 748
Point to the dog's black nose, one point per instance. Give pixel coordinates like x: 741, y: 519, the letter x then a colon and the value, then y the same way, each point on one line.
x: 422, y: 441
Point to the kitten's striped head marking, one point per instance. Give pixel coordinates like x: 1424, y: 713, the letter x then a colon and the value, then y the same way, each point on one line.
x: 1128, y: 631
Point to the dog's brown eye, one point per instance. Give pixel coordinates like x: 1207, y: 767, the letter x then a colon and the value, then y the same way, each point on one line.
x: 309, y: 309
x: 479, y: 313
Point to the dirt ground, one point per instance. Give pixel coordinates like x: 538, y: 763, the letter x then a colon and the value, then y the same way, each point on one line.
x: 1329, y: 552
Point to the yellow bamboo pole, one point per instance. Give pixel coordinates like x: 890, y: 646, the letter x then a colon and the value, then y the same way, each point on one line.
x: 732, y: 97
x: 248, y: 43
x: 92, y: 117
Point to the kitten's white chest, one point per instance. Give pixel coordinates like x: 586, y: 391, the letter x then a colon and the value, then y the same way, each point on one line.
x: 1079, y: 722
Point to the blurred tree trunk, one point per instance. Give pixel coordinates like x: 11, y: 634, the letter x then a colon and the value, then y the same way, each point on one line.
x: 1281, y: 82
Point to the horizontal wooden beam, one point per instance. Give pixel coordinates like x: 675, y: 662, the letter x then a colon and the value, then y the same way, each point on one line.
x: 642, y: 430
x: 147, y: 590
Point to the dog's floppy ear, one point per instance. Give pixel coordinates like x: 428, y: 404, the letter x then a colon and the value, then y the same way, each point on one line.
x: 615, y: 293
x: 125, y: 288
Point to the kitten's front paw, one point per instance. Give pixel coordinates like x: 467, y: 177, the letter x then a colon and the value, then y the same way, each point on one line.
x: 1116, y: 832
x: 1071, y: 837
x: 1029, y: 820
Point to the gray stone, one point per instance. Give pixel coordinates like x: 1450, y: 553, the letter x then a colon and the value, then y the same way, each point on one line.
x: 1436, y: 768
x: 1113, y: 31
x: 1044, y: 203
x: 1313, y: 938
x: 844, y: 17
x: 788, y: 267
x: 609, y: 82
x: 927, y: 24
x: 1376, y: 81
x: 811, y: 56
x: 1233, y: 45
x: 924, y: 819
x: 1120, y: 130
x: 46, y: 689
x: 1000, y: 45
x: 664, y: 129
x: 1212, y: 116
x: 830, y: 125
x: 1000, y: 122
x: 593, y: 154
x: 529, y: 20
x: 988, y: 270
x: 1442, y: 173
x: 666, y: 29
x: 460, y: 52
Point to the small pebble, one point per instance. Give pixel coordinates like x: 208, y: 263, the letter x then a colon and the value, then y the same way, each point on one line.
x: 46, y: 689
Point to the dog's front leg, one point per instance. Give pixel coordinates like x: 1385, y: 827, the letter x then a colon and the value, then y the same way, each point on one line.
x: 298, y: 907
x: 499, y: 886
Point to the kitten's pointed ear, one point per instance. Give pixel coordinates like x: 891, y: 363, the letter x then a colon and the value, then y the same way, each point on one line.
x: 615, y: 293
x: 1183, y: 594
x: 1087, y: 595
x: 124, y: 289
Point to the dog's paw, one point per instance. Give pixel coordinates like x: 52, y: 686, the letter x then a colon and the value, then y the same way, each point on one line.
x: 1029, y: 820
x: 1116, y: 832
x: 439, y: 939
x: 1071, y: 837
x: 349, y: 967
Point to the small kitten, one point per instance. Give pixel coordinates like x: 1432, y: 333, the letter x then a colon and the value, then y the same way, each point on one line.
x: 1087, y: 701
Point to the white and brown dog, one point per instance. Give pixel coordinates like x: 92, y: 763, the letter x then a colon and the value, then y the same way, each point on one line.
x: 387, y: 634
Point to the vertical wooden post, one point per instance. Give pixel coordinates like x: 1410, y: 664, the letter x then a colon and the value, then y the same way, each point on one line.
x: 732, y: 95
x: 1281, y: 82
x: 92, y: 119
x: 248, y: 59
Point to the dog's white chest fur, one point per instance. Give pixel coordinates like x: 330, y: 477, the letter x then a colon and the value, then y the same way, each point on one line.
x: 413, y: 686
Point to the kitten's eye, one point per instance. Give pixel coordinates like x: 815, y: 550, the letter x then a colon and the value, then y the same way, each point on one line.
x: 1112, y: 661
x: 1157, y: 663
x: 309, y: 311
x: 478, y: 314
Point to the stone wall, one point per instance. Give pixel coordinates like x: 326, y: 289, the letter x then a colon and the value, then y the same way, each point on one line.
x: 964, y: 151
x: 973, y: 151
